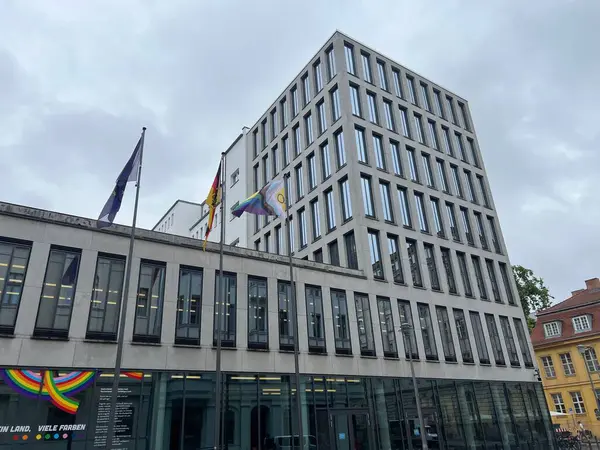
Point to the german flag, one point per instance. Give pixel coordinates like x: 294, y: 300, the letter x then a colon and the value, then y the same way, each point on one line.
x: 213, y: 199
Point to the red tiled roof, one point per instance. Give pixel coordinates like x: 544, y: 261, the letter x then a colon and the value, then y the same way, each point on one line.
x: 583, y: 301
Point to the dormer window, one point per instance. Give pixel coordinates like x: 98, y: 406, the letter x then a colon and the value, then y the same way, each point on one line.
x: 552, y: 329
x: 582, y: 323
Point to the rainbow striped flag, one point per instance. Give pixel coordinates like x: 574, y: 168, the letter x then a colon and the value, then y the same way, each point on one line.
x: 269, y: 201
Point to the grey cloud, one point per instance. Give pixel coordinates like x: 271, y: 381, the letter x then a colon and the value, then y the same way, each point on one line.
x: 78, y: 80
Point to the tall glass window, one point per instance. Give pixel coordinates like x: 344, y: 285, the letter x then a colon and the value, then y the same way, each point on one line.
x: 346, y: 199
x: 404, y: 209
x: 14, y: 258
x: 482, y: 350
x: 379, y: 155
x: 423, y: 223
x: 315, y: 322
x: 386, y: 324
x: 335, y: 104
x: 366, y: 63
x: 481, y: 230
x: 367, y: 193
x: 340, y: 150
x: 464, y: 273
x: 507, y: 285
x: 446, y: 333
x: 330, y: 210
x: 386, y: 202
x: 396, y: 161
x: 258, y: 326
x: 511, y: 347
x: 303, y: 228
x: 390, y: 124
x: 189, y: 306
x: 441, y: 166
x: 492, y: 330
x: 448, y: 268
x: 495, y: 241
x: 375, y: 250
x: 428, y: 171
x: 226, y: 314
x: 412, y: 165
x: 355, y: 100
x: 432, y: 267
x: 361, y: 145
x: 285, y: 315
x: 334, y: 253
x: 312, y: 171
x: 413, y: 260
x: 372, y: 103
x: 58, y: 294
x: 395, y: 258
x: 463, y: 336
x: 397, y: 83
x: 316, y: 219
x: 409, y: 336
x: 464, y: 214
x: 479, y: 277
x: 341, y: 324
x: 523, y: 342
x: 105, y: 304
x: 365, y: 324
x: 318, y: 76
x: 150, y: 302
x: 351, y: 254
x: 331, y: 69
x: 493, y: 280
x: 349, y: 53
x: 382, y: 76
x: 322, y: 116
x: 437, y: 217
x: 404, y: 123
x: 325, y: 161
x: 427, y: 333
x: 452, y: 221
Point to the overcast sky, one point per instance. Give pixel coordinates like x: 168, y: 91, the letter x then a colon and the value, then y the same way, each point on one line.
x: 78, y: 79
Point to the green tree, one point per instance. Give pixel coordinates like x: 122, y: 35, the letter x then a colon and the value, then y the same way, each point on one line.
x: 532, y: 291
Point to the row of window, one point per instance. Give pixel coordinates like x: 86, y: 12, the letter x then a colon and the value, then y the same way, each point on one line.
x: 412, y: 126
x: 279, y: 117
x: 581, y: 324
x: 576, y: 398
x: 60, y: 283
x: 405, y: 87
x: 590, y: 357
x: 420, y: 170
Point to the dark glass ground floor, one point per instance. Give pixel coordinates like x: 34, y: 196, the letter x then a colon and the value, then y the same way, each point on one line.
x: 175, y: 411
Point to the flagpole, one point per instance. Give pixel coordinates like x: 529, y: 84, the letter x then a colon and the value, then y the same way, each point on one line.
x: 295, y: 306
x: 220, y: 310
x: 112, y: 419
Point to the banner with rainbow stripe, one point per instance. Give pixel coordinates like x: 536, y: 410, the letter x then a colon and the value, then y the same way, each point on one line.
x: 58, y: 389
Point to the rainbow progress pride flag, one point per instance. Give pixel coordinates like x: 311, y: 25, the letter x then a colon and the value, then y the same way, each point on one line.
x: 269, y: 201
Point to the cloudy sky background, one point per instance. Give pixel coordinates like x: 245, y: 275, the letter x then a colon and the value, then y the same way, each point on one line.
x: 78, y: 79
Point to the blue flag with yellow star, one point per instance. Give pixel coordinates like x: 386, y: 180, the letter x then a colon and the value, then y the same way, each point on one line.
x: 129, y: 173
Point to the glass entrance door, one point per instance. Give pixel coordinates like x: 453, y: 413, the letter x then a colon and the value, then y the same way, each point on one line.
x: 350, y: 430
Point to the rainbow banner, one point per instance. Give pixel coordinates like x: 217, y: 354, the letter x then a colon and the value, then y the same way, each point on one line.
x: 56, y: 388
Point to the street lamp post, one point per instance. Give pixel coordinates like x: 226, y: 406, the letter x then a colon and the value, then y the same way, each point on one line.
x: 583, y: 351
x: 406, y: 328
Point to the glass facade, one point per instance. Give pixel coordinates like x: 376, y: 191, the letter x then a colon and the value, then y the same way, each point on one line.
x: 175, y: 411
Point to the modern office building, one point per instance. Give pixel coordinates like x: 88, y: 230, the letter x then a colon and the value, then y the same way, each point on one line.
x: 393, y: 225
x: 566, y: 339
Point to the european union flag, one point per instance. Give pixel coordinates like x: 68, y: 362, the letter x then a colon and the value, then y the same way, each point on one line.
x: 129, y: 173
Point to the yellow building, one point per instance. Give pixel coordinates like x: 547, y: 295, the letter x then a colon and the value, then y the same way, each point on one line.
x: 566, y: 340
